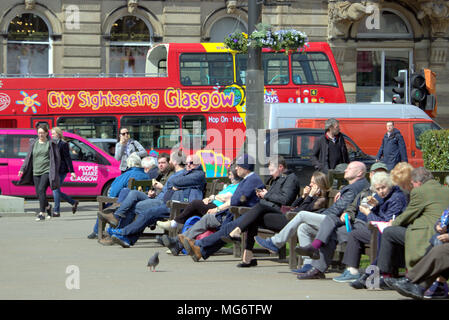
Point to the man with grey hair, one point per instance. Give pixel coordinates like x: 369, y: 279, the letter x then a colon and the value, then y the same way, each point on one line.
x: 330, y: 149
x: 409, y: 233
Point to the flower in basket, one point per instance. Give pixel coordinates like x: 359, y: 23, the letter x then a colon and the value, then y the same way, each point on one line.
x: 262, y: 37
x: 290, y: 40
x: 237, y: 41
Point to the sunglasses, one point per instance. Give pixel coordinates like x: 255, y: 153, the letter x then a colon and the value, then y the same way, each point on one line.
x: 124, y: 133
x: 190, y: 163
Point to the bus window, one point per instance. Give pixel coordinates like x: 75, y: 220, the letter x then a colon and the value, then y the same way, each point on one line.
x: 90, y: 127
x: 312, y: 68
x: 275, y: 66
x: 193, y: 136
x: 162, y: 67
x: 241, y: 65
x: 206, y: 69
x: 153, y: 131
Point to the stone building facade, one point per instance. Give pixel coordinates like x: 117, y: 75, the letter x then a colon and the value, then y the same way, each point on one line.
x: 371, y: 40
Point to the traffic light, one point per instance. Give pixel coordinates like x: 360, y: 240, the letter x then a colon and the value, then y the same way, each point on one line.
x: 423, y: 89
x: 418, y: 89
x: 401, y: 91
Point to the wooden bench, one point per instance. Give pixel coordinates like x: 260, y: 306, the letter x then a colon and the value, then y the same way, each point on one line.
x: 262, y: 232
x: 133, y: 184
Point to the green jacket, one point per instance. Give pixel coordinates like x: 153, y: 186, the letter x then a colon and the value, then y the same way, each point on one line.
x: 426, y: 205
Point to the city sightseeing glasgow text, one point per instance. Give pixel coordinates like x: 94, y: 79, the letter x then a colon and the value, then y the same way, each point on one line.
x: 173, y: 98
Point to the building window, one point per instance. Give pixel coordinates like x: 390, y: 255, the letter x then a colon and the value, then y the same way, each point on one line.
x: 376, y: 67
x: 28, y: 46
x: 130, y: 39
x: 225, y: 26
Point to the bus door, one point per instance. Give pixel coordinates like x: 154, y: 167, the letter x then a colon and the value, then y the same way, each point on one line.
x: 35, y: 121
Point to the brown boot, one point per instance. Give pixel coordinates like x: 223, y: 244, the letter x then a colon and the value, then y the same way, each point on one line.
x: 106, y: 241
x: 193, y: 250
x: 181, y: 238
x: 111, y: 208
x: 109, y: 218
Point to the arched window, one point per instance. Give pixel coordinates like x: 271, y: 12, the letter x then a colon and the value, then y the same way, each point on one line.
x: 28, y: 46
x: 130, y: 39
x: 378, y: 65
x: 221, y: 28
x: 391, y: 26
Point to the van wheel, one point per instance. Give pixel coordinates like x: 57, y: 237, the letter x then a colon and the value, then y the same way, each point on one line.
x: 106, y: 188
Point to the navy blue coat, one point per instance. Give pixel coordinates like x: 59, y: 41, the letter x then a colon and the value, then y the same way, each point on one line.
x: 245, y: 194
x: 392, y: 150
x: 393, y: 205
x: 192, y: 182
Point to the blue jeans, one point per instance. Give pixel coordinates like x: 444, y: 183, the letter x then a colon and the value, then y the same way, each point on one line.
x: 58, y: 194
x: 144, y: 219
x: 211, y: 244
x: 135, y: 202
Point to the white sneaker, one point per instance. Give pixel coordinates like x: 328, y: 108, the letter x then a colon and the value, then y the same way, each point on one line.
x: 40, y: 217
x: 166, y: 225
x: 48, y: 217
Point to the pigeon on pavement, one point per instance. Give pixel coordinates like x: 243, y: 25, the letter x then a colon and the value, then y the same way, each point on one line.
x: 154, y: 261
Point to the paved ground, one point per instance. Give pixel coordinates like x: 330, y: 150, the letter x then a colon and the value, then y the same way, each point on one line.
x: 36, y: 260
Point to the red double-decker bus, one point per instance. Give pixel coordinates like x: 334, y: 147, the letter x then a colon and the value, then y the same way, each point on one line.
x: 193, y: 94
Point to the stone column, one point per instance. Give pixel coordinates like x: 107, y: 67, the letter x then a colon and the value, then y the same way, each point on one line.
x: 437, y: 13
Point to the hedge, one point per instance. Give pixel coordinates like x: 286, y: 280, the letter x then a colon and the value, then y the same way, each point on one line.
x: 435, y: 147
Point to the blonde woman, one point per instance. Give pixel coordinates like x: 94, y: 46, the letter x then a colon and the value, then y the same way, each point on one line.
x: 65, y: 167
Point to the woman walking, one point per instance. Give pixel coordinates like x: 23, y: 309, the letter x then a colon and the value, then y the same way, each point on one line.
x: 65, y: 167
x: 41, y: 168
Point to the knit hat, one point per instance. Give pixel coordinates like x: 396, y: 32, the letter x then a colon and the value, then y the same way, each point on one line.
x: 378, y: 165
x: 246, y: 162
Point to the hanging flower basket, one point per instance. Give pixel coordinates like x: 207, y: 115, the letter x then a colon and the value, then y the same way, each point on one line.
x: 237, y: 41
x: 289, y: 40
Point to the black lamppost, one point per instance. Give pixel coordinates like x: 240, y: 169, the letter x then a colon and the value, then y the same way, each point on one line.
x: 254, y: 86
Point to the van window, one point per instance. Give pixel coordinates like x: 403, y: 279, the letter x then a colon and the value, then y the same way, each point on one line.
x: 285, y: 146
x: 312, y: 68
x: 79, y: 151
x: 279, y: 146
x: 206, y: 69
x: 420, y: 128
x: 3, y: 147
x: 19, y: 146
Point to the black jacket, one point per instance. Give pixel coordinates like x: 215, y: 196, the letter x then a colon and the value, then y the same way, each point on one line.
x: 27, y: 166
x: 282, y: 191
x: 320, y: 153
x: 347, y: 195
x: 66, y: 164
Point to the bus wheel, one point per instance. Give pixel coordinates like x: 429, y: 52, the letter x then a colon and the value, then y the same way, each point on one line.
x: 106, y: 188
